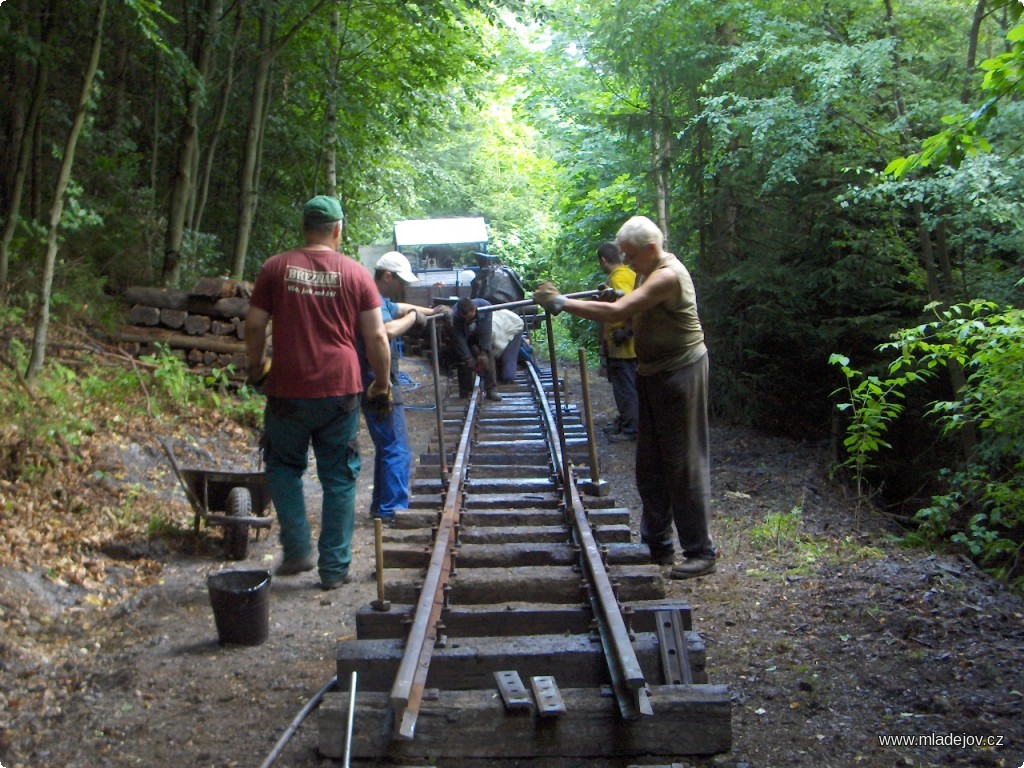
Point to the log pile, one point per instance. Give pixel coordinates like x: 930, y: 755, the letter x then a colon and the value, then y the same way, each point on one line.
x: 204, y: 326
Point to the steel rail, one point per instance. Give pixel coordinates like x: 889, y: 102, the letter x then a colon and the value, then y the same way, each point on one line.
x: 410, y: 681
x: 628, y: 681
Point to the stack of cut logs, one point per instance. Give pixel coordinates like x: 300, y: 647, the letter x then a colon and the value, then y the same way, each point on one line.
x: 204, y: 326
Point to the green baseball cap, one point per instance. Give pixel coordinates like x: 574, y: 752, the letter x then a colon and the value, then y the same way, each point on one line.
x: 322, y: 209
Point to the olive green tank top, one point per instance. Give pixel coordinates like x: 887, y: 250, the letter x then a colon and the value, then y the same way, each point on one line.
x: 670, y: 337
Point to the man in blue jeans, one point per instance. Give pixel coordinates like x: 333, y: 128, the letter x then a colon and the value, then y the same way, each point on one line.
x: 392, y: 462
x: 321, y: 301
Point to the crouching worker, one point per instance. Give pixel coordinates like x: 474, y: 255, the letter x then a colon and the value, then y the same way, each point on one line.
x: 472, y: 334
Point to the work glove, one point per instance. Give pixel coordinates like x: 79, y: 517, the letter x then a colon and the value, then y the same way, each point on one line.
x: 621, y: 335
x: 548, y: 296
x: 257, y: 373
x: 378, y: 398
x: 421, y: 320
x: 606, y: 293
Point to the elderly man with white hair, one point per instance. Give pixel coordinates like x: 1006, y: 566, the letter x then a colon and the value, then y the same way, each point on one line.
x: 673, y: 473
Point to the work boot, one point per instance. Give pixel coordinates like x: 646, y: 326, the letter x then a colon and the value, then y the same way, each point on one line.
x: 663, y: 555
x: 493, y: 396
x: 693, y: 567
x: 290, y: 567
x: 334, y: 582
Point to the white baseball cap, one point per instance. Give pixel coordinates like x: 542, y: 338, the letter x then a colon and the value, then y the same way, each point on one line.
x: 393, y: 261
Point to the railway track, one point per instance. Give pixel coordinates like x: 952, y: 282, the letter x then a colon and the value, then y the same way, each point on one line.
x: 516, y: 619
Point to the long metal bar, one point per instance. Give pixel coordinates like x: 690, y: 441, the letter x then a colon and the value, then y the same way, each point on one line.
x: 562, y: 456
x: 595, y: 472
x: 628, y: 680
x: 351, y: 719
x: 438, y: 401
x: 407, y: 690
x: 530, y: 302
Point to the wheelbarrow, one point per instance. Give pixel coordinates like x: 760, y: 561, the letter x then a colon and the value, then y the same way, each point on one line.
x: 239, y: 497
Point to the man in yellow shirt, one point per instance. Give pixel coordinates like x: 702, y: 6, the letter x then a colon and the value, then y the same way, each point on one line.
x: 618, y: 349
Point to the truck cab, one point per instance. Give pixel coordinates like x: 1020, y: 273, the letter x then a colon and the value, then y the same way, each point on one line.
x: 445, y: 255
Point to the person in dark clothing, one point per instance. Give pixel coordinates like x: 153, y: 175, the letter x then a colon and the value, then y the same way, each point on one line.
x: 471, y: 333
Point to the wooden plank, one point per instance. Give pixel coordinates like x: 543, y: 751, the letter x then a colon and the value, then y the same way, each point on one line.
x: 505, y: 485
x: 533, y: 460
x: 178, y: 340
x: 537, y: 583
x: 688, y: 720
x: 511, y: 619
x: 466, y: 663
x: 512, y: 554
x: 423, y: 515
x: 404, y: 533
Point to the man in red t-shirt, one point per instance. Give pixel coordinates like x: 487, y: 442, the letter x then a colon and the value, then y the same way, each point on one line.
x: 320, y: 301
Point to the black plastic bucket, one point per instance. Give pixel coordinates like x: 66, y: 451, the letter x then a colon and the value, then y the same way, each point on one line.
x: 241, y: 606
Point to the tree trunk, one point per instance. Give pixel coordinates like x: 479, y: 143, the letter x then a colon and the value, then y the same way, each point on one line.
x: 972, y: 51
x: 57, y: 209
x: 924, y: 240
x: 218, y: 124
x: 248, y: 195
x: 331, y: 128
x: 24, y: 155
x: 183, y: 188
x: 702, y: 204
x: 247, y: 191
x: 154, y: 149
x: 22, y: 78
x: 661, y: 154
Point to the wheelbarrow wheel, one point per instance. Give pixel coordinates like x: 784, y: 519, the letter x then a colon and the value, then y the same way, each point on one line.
x: 236, y: 535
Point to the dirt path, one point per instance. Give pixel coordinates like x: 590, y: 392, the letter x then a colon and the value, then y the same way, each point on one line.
x: 830, y: 638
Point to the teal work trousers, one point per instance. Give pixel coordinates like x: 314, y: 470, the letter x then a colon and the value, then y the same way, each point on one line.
x: 330, y: 425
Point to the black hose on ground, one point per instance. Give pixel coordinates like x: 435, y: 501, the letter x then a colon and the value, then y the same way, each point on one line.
x: 303, y: 714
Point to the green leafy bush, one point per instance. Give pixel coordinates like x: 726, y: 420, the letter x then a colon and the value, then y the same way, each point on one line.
x: 983, y: 508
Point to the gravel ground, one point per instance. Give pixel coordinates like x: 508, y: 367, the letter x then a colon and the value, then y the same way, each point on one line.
x: 831, y: 636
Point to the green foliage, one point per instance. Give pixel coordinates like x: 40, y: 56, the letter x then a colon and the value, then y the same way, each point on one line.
x: 176, y: 388
x: 871, y: 406
x: 778, y: 531
x: 984, y: 507
x: 966, y: 134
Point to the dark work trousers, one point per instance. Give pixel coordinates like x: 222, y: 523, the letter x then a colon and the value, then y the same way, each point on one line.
x: 467, y: 375
x: 673, y: 463
x: 622, y: 375
x: 331, y: 424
